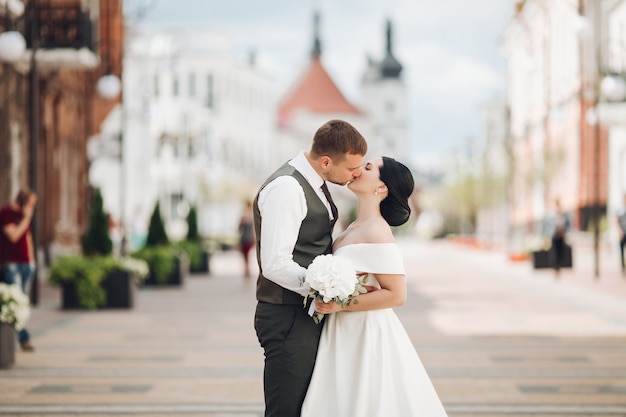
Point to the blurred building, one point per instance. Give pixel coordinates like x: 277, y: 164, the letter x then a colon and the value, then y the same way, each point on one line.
x: 314, y: 98
x: 197, y: 125
x: 49, y: 106
x: 557, y: 53
x: 613, y: 116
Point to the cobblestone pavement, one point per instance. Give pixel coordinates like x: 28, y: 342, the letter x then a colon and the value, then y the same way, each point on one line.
x: 497, y: 339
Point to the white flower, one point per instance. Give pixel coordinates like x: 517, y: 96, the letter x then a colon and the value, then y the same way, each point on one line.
x: 332, y: 278
x: 137, y: 267
x: 14, y: 306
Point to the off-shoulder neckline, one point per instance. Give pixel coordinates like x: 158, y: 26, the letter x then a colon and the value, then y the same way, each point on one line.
x: 365, y: 244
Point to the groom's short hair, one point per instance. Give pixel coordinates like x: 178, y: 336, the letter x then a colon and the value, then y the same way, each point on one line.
x: 336, y: 138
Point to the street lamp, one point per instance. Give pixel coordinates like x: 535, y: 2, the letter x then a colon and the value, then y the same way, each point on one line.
x: 613, y: 87
x: 109, y: 86
x: 12, y: 46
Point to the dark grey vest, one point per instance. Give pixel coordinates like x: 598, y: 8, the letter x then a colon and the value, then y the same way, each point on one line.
x: 314, y: 238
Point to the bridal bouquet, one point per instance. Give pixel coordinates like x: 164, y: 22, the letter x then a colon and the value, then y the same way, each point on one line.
x: 332, y: 278
x: 14, y: 306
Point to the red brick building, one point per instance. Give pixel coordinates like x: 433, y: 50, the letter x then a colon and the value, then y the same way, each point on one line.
x: 50, y: 109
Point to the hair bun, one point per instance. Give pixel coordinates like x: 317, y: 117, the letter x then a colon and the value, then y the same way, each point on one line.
x: 394, y: 212
x: 395, y: 208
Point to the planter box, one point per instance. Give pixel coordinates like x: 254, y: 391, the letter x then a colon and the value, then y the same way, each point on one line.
x: 69, y: 299
x: 119, y: 287
x: 178, y: 275
x: 547, y: 258
x: 542, y: 259
x: 205, y: 267
x: 7, y: 345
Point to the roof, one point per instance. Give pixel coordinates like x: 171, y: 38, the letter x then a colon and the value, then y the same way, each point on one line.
x: 316, y: 92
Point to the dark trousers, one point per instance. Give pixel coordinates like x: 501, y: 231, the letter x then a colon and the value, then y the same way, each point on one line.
x: 622, y: 243
x: 289, y: 337
x: 558, y: 243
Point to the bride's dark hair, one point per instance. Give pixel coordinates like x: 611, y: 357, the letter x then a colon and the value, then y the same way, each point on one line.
x: 397, y: 177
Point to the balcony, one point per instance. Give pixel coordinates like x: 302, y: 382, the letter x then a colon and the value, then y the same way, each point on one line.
x: 59, y: 26
x: 63, y: 35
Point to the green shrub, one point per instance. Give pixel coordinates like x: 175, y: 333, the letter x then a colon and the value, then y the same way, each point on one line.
x: 157, y: 236
x: 96, y: 240
x: 194, y: 251
x: 86, y: 273
x: 192, y: 225
x: 161, y: 261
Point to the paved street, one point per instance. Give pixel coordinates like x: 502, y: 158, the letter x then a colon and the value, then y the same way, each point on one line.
x: 497, y: 338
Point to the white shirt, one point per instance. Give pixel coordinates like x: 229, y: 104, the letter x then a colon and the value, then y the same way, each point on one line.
x: 282, y: 205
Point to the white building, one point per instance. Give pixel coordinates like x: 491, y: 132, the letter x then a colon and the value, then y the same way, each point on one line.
x: 202, y: 128
x: 197, y: 128
x: 544, y: 79
x: 613, y: 114
x: 567, y: 129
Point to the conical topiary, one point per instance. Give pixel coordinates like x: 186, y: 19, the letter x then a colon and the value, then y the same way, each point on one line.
x: 96, y: 240
x: 156, y: 230
x: 192, y: 225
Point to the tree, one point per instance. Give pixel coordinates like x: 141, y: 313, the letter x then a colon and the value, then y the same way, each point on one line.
x: 192, y: 225
x: 156, y: 230
x: 96, y: 240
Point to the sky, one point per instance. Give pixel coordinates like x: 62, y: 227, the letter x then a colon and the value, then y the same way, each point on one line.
x: 448, y: 48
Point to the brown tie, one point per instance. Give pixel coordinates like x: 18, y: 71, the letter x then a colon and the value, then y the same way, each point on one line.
x: 333, y: 207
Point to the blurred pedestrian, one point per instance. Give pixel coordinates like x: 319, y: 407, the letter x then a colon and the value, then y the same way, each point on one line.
x: 246, y: 236
x: 621, y: 221
x: 560, y: 225
x: 17, y: 252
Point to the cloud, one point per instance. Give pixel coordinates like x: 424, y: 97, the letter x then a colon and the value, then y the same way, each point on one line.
x: 435, y: 72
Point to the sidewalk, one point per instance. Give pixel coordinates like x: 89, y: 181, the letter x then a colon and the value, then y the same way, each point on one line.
x: 610, y: 279
x: 497, y: 339
x: 505, y: 297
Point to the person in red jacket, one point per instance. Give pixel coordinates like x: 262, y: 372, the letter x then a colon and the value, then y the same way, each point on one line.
x: 17, y: 253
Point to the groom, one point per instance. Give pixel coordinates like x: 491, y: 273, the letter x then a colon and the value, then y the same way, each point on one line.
x: 294, y: 217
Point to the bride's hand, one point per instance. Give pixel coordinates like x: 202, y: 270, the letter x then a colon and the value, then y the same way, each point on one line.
x: 327, y: 308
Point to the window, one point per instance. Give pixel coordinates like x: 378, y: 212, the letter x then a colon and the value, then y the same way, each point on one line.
x: 210, y: 92
x: 156, y: 85
x: 177, y: 205
x: 192, y: 84
x: 175, y: 87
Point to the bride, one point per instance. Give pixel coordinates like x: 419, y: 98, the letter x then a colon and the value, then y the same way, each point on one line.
x: 366, y: 364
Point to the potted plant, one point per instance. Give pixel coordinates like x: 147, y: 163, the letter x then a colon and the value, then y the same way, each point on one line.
x: 14, y: 312
x: 121, y: 281
x: 199, y: 257
x: 96, y: 281
x: 96, y: 240
x: 168, y: 265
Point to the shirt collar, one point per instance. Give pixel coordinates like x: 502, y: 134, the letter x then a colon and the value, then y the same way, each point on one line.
x: 305, y: 168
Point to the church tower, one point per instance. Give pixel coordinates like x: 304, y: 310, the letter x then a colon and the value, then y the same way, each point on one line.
x: 384, y: 96
x: 313, y: 99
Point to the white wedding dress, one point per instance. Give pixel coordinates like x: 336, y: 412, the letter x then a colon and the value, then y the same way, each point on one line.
x: 366, y: 365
